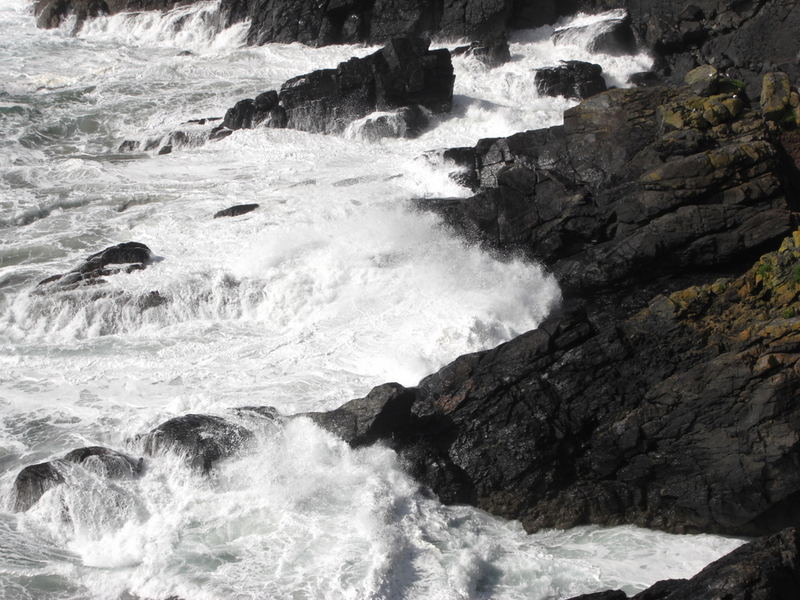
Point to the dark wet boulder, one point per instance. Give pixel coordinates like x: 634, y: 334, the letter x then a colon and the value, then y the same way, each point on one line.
x: 611, y: 36
x: 33, y: 481
x: 203, y: 439
x: 491, y: 52
x: 765, y: 569
x: 406, y: 122
x: 235, y: 211
x: 122, y: 258
x: 645, y: 79
x: 384, y: 412
x: 404, y: 77
x: 571, y: 79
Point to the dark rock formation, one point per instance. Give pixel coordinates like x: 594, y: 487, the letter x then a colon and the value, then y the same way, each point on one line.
x: 572, y: 79
x: 680, y: 417
x: 766, y: 569
x: 235, y: 211
x: 613, y: 36
x: 126, y: 257
x: 33, y: 481
x: 383, y: 413
x: 404, y: 77
x: 636, y: 184
x: 492, y: 52
x: 406, y: 122
x: 203, y: 439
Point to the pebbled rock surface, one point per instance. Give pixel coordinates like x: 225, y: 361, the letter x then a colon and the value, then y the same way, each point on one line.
x: 765, y: 569
x: 635, y: 185
x: 33, y: 481
x: 204, y: 439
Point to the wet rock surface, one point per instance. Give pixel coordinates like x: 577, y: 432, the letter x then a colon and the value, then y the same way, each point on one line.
x: 572, y: 79
x: 126, y: 257
x: 680, y: 417
x: 403, y: 75
x: 204, y: 439
x: 235, y: 211
x: 637, y: 184
x: 766, y: 569
x: 33, y: 481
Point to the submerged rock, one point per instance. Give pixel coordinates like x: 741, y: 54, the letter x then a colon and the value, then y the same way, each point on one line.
x: 33, y: 481
x: 407, y: 122
x: 235, y: 211
x: 203, y: 439
x: 765, y: 569
x: 122, y: 258
x: 571, y: 79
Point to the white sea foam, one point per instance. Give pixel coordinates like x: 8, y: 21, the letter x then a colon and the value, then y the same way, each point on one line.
x: 333, y: 285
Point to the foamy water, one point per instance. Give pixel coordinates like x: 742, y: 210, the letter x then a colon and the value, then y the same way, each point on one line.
x: 332, y: 286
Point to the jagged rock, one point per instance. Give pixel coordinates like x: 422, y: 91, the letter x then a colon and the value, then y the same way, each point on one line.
x: 384, y: 412
x: 645, y: 79
x: 203, y: 439
x: 492, y: 53
x: 402, y: 77
x: 33, y: 481
x: 235, y: 211
x: 635, y: 184
x: 766, y: 569
x: 129, y: 146
x: 572, y: 79
x: 613, y: 36
x: 131, y: 256
x: 407, y: 122
x: 680, y: 417
x: 703, y: 80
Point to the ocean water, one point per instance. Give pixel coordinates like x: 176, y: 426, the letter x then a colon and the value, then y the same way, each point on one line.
x: 334, y: 285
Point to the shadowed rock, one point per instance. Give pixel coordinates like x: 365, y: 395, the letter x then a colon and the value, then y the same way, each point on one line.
x: 204, y: 439
x: 571, y: 79
x: 33, y: 481
x: 126, y: 257
x: 235, y: 211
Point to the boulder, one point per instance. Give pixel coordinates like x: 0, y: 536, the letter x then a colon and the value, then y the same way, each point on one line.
x: 703, y: 80
x: 492, y: 52
x: 571, y: 79
x: 33, y: 481
x: 121, y: 258
x: 406, y: 122
x: 235, y: 211
x: 202, y: 439
x: 612, y: 36
x: 775, y: 96
x: 383, y: 413
x: 765, y: 569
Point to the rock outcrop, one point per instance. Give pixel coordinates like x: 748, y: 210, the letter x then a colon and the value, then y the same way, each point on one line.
x: 122, y: 258
x: 681, y: 417
x: 404, y: 75
x: 203, y: 439
x: 766, y: 569
x: 33, y: 481
x: 235, y: 211
x: 637, y: 184
x: 571, y: 79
